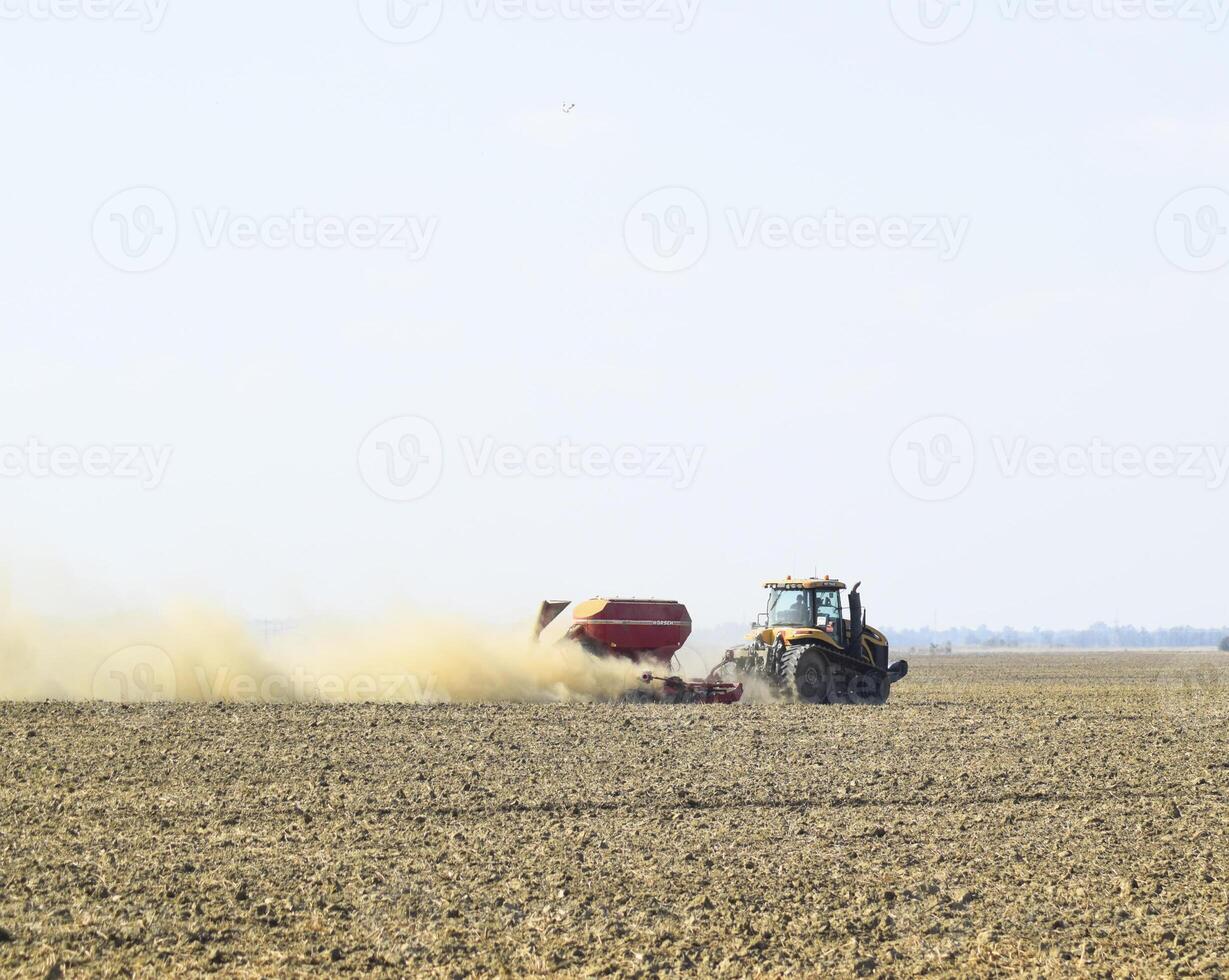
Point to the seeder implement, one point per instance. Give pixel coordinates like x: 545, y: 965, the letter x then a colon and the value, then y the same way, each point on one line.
x: 644, y: 631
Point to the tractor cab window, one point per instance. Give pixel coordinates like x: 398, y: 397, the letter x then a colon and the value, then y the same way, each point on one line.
x: 827, y: 606
x: 789, y: 607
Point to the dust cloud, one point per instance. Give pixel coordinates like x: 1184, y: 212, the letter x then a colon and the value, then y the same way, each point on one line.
x: 190, y: 653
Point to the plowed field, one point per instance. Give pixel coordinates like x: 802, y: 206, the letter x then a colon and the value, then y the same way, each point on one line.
x: 1043, y: 813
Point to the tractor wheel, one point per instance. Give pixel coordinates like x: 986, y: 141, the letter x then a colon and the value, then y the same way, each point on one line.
x: 812, y: 677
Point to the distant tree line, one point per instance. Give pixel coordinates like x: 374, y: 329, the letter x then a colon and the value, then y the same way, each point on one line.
x: 1097, y: 636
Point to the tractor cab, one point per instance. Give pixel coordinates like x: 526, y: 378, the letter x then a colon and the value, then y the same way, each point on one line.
x: 805, y: 604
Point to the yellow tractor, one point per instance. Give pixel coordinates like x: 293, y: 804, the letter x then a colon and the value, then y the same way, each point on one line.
x: 809, y: 644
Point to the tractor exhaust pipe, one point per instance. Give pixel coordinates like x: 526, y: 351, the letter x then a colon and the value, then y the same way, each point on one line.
x: 857, y: 622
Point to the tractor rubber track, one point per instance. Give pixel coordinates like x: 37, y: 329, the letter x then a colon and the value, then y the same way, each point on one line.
x: 817, y: 676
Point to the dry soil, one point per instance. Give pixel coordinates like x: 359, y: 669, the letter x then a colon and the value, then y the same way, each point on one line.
x: 1045, y: 813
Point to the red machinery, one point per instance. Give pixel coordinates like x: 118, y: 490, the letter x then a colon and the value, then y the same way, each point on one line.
x: 675, y: 690
x: 640, y: 630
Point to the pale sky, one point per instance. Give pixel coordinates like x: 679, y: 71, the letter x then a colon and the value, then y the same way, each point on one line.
x: 998, y: 396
